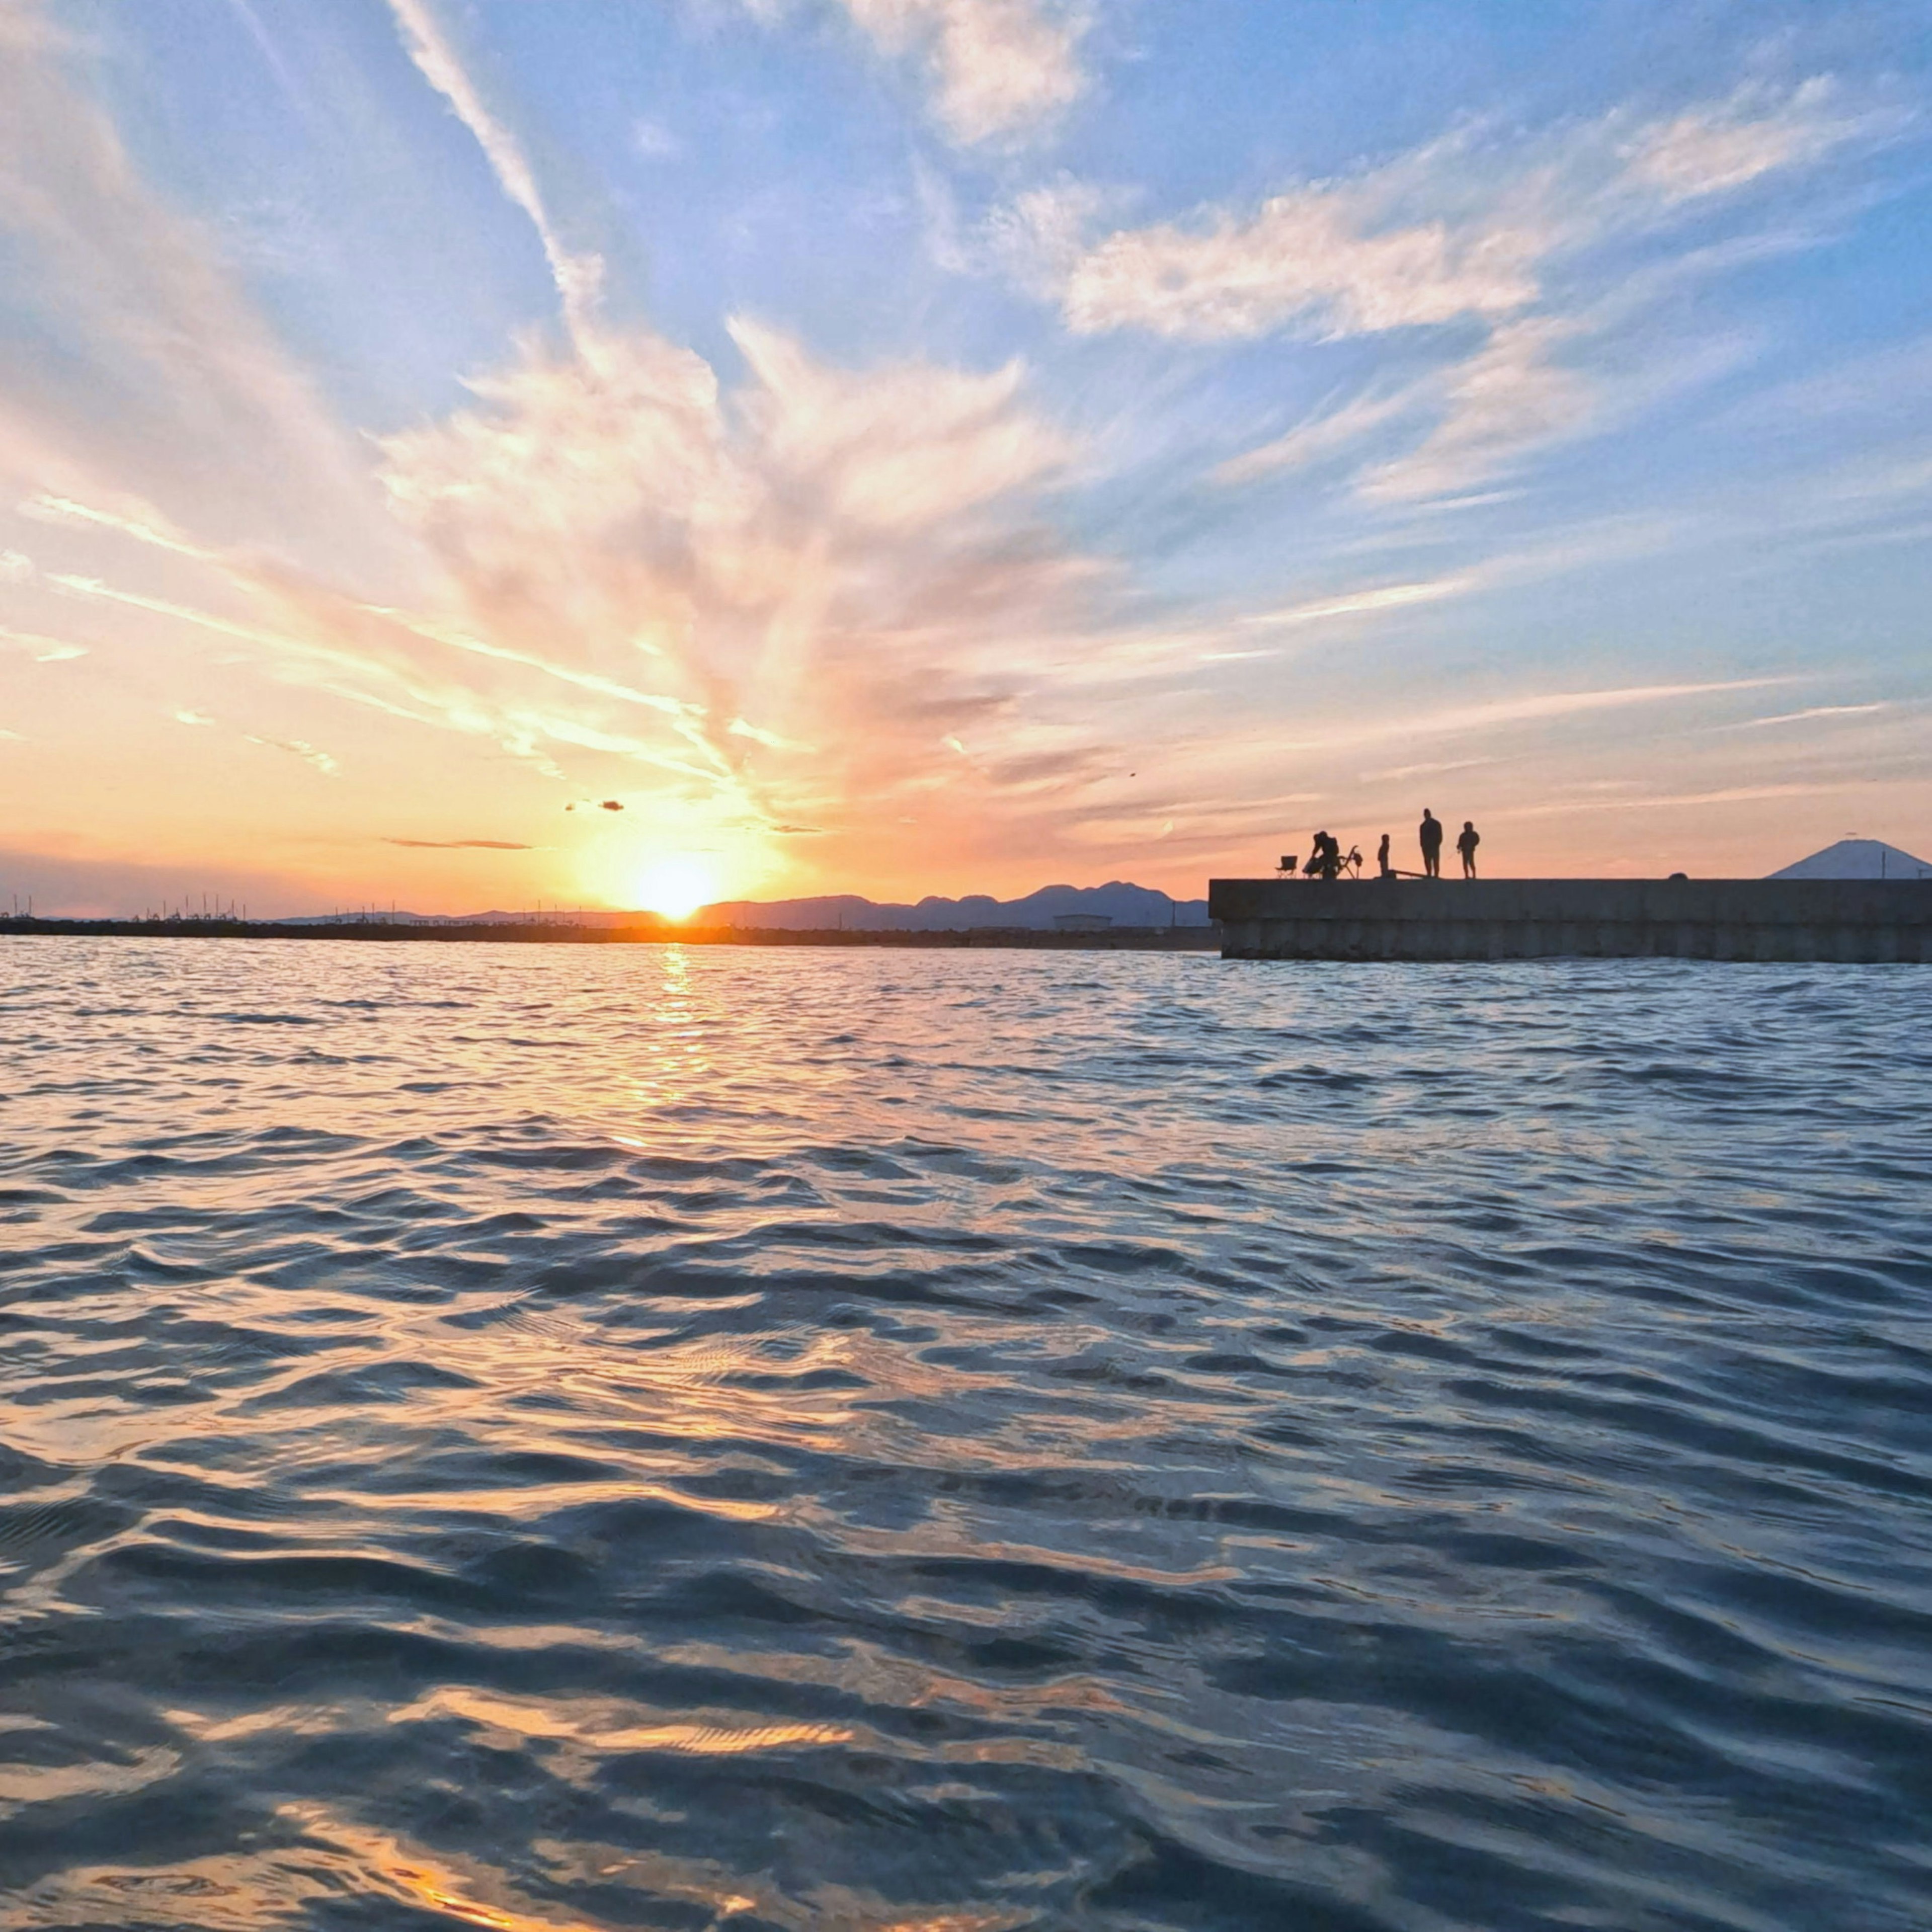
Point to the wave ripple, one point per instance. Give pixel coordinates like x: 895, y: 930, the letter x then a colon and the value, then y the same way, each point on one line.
x: 594, y: 1438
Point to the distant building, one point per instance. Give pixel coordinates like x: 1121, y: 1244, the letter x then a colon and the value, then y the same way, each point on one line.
x: 1081, y: 922
x: 1859, y: 859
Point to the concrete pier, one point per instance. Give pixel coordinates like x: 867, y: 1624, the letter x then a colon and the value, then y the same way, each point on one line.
x: 1864, y: 920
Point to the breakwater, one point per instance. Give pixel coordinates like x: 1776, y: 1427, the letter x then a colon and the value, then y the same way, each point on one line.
x: 1863, y: 920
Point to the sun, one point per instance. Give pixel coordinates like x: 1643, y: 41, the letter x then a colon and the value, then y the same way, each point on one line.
x: 674, y: 888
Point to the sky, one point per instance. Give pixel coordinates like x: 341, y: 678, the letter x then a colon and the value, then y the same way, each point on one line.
x: 907, y: 446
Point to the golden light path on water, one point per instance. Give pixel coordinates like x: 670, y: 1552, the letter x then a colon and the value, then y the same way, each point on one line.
x: 593, y: 1437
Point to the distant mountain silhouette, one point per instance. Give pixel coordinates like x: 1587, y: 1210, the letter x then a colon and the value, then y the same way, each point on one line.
x: 1123, y: 904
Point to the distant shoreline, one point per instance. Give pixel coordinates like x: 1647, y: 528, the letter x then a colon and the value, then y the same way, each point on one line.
x: 1115, y: 939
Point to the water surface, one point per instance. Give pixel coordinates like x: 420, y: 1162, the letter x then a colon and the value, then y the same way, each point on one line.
x: 636, y: 1437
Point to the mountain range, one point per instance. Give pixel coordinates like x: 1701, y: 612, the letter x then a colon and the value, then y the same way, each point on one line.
x: 1122, y: 904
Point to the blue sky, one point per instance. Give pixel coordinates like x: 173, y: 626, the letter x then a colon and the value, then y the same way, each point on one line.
x: 951, y: 445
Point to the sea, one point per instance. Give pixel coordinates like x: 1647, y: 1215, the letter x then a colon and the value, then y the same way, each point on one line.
x: 584, y: 1437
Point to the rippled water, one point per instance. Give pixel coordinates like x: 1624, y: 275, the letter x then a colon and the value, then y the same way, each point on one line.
x: 560, y: 1438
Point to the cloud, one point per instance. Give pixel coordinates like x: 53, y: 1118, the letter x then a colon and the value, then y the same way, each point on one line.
x: 656, y: 142
x: 157, y: 352
x: 826, y: 558
x: 41, y: 649
x: 1728, y: 795
x: 779, y: 597
x: 1569, y: 703
x: 1319, y: 258
x: 461, y: 844
x: 1380, y: 597
x: 1466, y: 227
x: 971, y: 442
x: 579, y: 277
x: 1429, y: 769
x: 1456, y: 720
x: 999, y: 69
x: 301, y: 748
x: 1524, y: 241
x: 1511, y: 397
x: 1715, y: 149
x: 285, y: 76
x: 1816, y: 711
x: 148, y: 526
x: 1333, y: 432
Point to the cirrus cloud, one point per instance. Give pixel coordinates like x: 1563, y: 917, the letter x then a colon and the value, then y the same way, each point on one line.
x: 1466, y: 227
x: 999, y: 67
x: 1522, y: 241
x: 999, y: 70
x: 460, y: 844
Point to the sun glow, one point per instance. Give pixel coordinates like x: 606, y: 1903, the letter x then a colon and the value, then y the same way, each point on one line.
x: 675, y: 888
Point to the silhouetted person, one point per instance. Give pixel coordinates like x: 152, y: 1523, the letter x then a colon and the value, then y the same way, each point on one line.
x: 1430, y: 834
x: 1383, y: 867
x: 1467, y: 840
x: 1325, y: 861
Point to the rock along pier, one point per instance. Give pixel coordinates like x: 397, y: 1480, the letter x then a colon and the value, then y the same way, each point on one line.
x: 1853, y: 920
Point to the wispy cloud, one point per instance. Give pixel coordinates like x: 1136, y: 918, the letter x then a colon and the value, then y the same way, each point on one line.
x: 1816, y: 712
x: 1456, y: 721
x: 835, y: 566
x: 1320, y: 258
x: 460, y: 844
x: 144, y: 312
x: 656, y: 142
x: 1428, y: 770
x: 41, y: 649
x: 1331, y: 433
x: 244, y: 11
x: 1473, y: 231
x: 579, y: 277
x: 821, y: 574
x: 1355, y: 603
x: 149, y: 527
x: 1512, y: 396
x: 999, y: 70
x: 1464, y: 227
x: 300, y: 747
x: 1679, y: 801
x: 1758, y: 131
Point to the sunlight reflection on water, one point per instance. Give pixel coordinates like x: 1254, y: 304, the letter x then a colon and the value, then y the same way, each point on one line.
x: 649, y: 1436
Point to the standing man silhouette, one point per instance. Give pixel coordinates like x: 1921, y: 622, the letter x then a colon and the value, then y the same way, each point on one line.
x: 1430, y: 834
x: 1467, y: 840
x: 1383, y: 869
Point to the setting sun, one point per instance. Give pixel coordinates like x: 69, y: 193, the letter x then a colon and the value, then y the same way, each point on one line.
x: 675, y: 888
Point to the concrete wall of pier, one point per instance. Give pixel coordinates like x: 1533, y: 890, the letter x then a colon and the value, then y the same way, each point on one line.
x: 1854, y: 920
